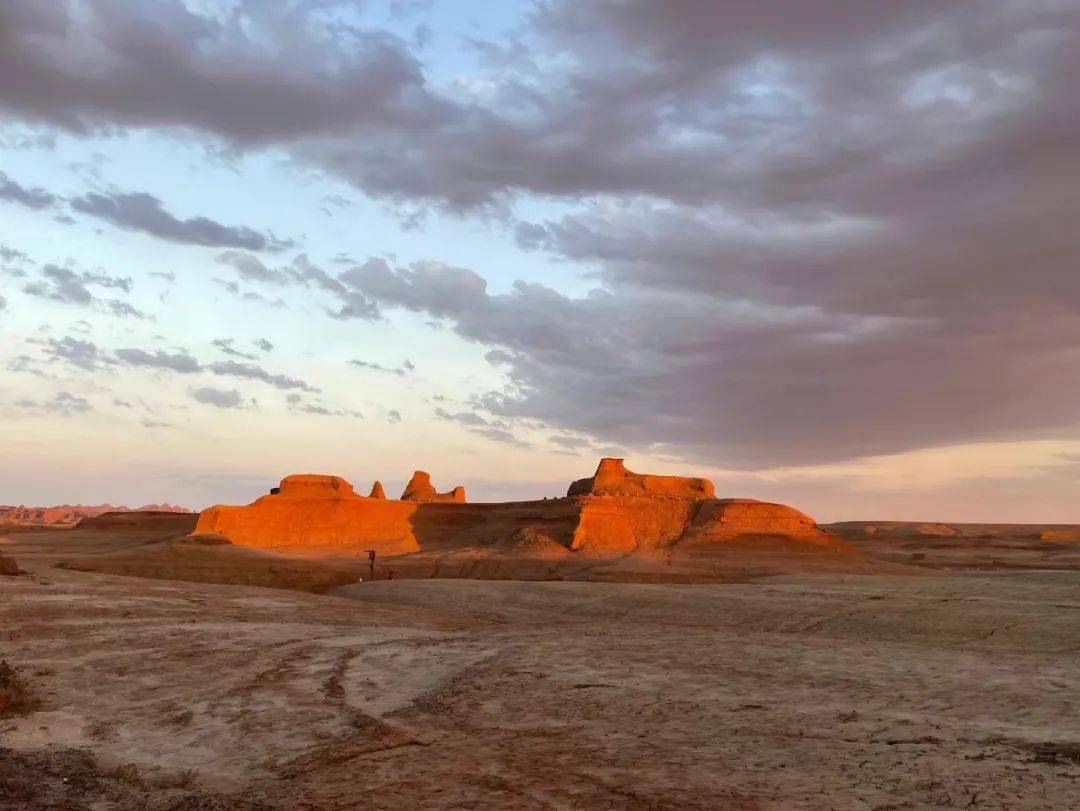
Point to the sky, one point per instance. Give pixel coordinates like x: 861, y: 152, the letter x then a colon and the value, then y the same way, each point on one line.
x: 822, y: 253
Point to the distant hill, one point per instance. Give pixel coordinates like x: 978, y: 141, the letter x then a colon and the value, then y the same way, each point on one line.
x: 933, y: 530
x: 64, y: 515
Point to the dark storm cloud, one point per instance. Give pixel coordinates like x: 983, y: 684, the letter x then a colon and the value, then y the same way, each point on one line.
x: 144, y: 212
x: 821, y: 229
x: 31, y: 198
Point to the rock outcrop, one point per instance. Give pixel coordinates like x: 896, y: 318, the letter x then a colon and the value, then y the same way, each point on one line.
x: 311, y: 485
x: 616, y: 513
x: 613, y: 479
x: 420, y: 489
x: 8, y: 567
x: 377, y: 491
x: 729, y: 519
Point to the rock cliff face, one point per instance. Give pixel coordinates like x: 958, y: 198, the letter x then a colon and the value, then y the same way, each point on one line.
x: 613, y: 479
x: 615, y: 513
x: 420, y: 488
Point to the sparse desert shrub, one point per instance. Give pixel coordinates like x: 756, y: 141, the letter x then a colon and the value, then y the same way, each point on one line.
x: 16, y: 697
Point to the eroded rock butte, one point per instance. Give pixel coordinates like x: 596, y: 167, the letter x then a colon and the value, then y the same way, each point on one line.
x: 420, y: 488
x: 614, y: 513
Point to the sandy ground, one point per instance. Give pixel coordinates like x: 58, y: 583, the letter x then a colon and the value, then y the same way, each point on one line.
x: 929, y: 690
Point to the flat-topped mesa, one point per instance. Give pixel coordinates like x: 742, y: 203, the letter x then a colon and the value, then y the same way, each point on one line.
x: 420, y: 489
x: 314, y: 485
x: 618, y: 514
x: 613, y: 479
x: 377, y: 491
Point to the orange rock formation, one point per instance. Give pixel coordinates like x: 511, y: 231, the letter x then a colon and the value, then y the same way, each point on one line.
x: 613, y: 479
x: 420, y: 488
x: 377, y: 491
x: 612, y: 514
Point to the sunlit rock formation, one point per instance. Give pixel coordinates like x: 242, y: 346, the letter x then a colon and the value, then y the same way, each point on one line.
x: 613, y: 479
x: 614, y: 514
x: 420, y: 488
x: 377, y: 491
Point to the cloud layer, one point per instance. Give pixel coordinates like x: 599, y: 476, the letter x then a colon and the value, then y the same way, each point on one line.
x: 816, y: 230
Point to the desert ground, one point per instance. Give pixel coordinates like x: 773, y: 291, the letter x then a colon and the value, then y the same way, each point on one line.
x: 945, y: 677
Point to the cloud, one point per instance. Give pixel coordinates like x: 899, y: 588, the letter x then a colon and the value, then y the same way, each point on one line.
x: 121, y: 309
x: 690, y: 105
x: 297, y: 404
x: 221, y: 398
x: 304, y: 273
x: 82, y: 354
x: 252, y: 372
x: 226, y: 346
x: 430, y: 287
x: 570, y: 442
x: 496, y: 430
x: 63, y: 403
x: 803, y: 225
x: 9, y: 254
x: 72, y: 287
x: 298, y: 71
x: 405, y: 368
x: 31, y: 198
x: 143, y: 212
x: 250, y: 268
x: 3, y: 303
x: 749, y: 385
x: 66, y: 285
x: 179, y: 362
x: 183, y: 363
x: 264, y: 345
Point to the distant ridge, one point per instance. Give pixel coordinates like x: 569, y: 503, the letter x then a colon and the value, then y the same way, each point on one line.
x: 63, y: 515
